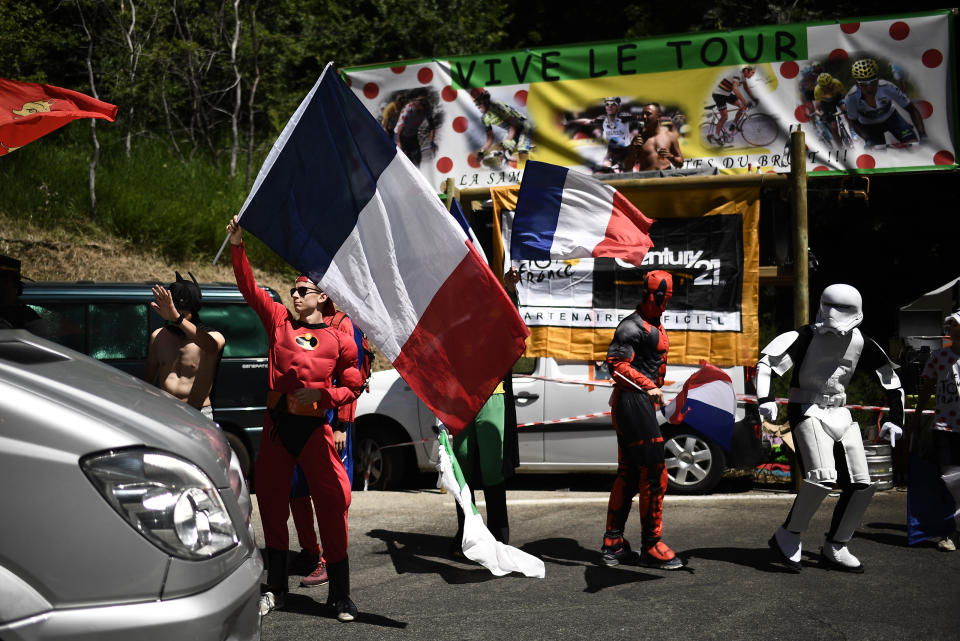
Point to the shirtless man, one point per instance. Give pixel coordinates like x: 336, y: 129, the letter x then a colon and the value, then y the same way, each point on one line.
x: 184, y: 353
x: 654, y: 146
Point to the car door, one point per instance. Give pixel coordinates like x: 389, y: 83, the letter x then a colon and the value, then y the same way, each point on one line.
x: 578, y: 429
x: 528, y: 398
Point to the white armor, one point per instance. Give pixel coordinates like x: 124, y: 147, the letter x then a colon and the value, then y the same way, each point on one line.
x: 817, y: 396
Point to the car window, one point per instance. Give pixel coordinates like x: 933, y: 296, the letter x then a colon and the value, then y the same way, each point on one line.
x: 65, y: 324
x: 116, y: 331
x: 525, y: 366
x: 241, y: 328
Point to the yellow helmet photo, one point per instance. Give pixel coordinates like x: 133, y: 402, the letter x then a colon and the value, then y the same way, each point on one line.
x: 824, y: 79
x: 865, y: 69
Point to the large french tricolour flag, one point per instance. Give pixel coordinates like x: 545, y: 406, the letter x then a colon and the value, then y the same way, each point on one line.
x: 565, y: 214
x: 707, y: 403
x: 338, y: 201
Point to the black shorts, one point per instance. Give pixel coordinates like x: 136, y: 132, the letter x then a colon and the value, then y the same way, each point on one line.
x: 724, y: 99
x: 638, y: 432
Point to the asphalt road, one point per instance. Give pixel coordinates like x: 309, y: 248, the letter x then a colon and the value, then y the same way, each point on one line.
x: 407, y: 587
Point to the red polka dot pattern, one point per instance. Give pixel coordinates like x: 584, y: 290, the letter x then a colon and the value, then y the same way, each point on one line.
x: 800, y: 113
x: 821, y: 168
x: 521, y: 97
x: 932, y: 58
x: 899, y: 30
x: 425, y: 75
x: 448, y: 93
x: 850, y: 27
x: 789, y: 70
x: 943, y: 157
x: 398, y: 70
x: 473, y: 161
x: 444, y: 165
x: 866, y: 161
x: 371, y: 90
x: 924, y: 107
x: 838, y: 55
x: 460, y: 124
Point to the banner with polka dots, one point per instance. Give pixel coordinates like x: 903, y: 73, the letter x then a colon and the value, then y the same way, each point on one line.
x: 871, y: 95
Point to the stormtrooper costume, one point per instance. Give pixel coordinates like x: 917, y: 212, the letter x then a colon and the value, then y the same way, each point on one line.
x: 824, y: 356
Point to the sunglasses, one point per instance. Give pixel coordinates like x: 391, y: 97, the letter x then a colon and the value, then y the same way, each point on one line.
x: 867, y: 83
x: 303, y: 291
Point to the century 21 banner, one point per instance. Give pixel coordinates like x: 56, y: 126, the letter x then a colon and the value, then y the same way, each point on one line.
x: 708, y: 242
x: 870, y: 95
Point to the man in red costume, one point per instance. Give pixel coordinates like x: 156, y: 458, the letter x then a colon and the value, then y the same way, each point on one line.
x: 305, y: 356
x: 310, y: 561
x: 637, y: 358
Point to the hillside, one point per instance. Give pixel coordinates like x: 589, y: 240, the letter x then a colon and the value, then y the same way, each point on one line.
x: 90, y: 254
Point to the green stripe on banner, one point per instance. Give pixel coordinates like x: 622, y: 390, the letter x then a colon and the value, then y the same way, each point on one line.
x: 650, y: 55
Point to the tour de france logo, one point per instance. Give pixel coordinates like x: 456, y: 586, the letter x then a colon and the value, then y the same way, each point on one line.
x: 307, y: 341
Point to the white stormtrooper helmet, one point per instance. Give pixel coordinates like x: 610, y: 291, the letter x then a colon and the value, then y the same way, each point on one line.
x: 841, y: 309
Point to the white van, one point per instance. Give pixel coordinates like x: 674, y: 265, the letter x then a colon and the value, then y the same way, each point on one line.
x: 564, y: 426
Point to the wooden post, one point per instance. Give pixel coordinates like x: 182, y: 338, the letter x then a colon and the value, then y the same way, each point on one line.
x: 801, y: 272
x: 798, y: 201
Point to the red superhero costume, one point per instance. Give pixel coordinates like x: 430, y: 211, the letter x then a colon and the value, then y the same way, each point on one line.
x: 302, y: 355
x: 637, y: 358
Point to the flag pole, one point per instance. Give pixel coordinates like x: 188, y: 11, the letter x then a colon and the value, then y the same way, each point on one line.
x: 222, y: 246
x: 662, y: 418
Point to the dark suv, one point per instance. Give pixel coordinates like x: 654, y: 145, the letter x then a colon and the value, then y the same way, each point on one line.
x: 112, y: 322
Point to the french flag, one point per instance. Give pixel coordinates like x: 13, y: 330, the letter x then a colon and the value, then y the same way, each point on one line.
x: 707, y: 403
x: 338, y: 201
x: 565, y: 214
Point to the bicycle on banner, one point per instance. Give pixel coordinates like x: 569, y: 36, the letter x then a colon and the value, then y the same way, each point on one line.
x: 500, y: 156
x: 754, y: 129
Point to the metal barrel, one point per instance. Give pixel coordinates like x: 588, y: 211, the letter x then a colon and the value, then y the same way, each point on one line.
x: 880, y: 464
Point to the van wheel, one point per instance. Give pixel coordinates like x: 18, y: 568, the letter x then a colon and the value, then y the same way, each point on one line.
x: 694, y: 464
x: 242, y: 453
x: 376, y: 468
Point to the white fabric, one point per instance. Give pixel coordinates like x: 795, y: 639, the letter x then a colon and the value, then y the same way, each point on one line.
x: 943, y: 367
x: 585, y: 212
x: 478, y: 543
x: 384, y: 257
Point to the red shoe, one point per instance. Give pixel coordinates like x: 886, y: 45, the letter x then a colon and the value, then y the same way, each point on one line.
x: 303, y: 563
x: 661, y: 557
x: 317, y: 577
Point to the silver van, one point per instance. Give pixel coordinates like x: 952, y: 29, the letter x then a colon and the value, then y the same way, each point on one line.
x: 124, y: 513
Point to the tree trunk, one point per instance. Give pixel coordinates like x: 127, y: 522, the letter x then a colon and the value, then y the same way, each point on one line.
x: 95, y: 159
x: 238, y: 96
x: 253, y: 90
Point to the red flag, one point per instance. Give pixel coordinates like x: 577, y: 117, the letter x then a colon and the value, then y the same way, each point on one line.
x: 29, y: 110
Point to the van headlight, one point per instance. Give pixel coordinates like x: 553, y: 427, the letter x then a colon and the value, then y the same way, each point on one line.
x: 169, y: 500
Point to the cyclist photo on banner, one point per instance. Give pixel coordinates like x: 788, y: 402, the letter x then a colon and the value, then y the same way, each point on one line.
x: 828, y: 108
x: 516, y: 145
x: 733, y: 89
x: 733, y: 118
x: 876, y: 107
x: 615, y: 128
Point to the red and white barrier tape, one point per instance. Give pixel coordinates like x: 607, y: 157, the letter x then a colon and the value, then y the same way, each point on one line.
x: 571, y: 419
x: 746, y: 398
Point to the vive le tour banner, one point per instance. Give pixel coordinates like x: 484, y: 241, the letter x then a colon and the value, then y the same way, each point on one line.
x: 870, y: 95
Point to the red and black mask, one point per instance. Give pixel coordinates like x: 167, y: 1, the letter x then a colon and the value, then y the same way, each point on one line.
x: 657, y: 290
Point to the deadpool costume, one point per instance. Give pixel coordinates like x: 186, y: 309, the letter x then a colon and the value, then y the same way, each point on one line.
x: 637, y: 358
